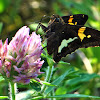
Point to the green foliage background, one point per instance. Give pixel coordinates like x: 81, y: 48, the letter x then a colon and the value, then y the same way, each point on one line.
x: 16, y: 13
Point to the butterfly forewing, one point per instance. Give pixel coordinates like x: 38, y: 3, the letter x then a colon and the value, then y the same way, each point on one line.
x: 78, y: 19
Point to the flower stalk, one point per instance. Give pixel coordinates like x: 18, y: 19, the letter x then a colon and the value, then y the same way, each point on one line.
x: 49, y: 73
x: 13, y: 90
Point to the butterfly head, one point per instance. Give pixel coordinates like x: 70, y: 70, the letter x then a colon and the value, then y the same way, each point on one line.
x: 55, y: 19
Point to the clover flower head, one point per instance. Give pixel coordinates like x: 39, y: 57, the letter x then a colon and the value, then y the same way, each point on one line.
x: 20, y: 59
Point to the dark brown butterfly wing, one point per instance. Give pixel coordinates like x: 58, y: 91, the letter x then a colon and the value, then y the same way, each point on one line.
x: 78, y: 19
x: 70, y: 38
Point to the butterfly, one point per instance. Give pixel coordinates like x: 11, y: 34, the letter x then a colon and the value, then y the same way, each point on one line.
x: 67, y: 33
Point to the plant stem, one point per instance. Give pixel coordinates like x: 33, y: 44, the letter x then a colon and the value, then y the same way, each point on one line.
x: 48, y: 76
x: 13, y: 89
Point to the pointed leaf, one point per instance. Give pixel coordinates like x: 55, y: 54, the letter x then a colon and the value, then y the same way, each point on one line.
x: 58, y: 80
x: 73, y: 96
x: 47, y: 83
x: 82, y: 78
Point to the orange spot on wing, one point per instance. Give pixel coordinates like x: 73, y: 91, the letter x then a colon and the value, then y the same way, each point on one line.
x: 81, y: 33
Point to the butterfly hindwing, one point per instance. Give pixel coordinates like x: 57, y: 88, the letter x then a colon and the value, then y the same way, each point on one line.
x: 62, y: 44
x: 71, y: 41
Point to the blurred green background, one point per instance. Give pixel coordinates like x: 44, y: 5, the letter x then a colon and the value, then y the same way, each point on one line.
x: 16, y: 13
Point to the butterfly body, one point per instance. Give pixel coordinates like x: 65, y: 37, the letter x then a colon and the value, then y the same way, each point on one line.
x: 67, y: 33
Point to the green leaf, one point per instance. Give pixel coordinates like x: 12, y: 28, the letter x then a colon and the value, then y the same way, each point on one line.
x: 3, y: 97
x: 1, y: 79
x: 68, y: 96
x: 73, y: 96
x: 38, y: 97
x: 62, y: 62
x: 82, y: 78
x: 72, y: 88
x: 35, y: 86
x: 58, y: 80
x: 47, y: 83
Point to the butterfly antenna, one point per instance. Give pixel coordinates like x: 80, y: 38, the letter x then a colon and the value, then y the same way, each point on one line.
x: 44, y: 47
x: 44, y: 17
x: 39, y: 23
